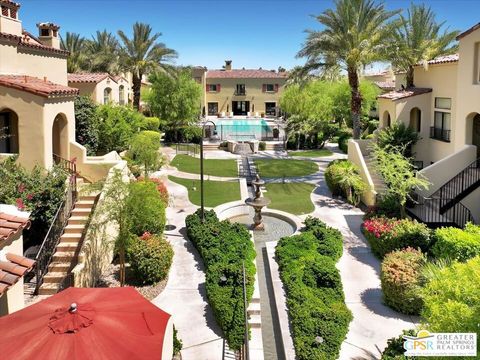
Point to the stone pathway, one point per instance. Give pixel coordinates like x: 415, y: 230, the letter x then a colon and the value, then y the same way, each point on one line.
x: 184, y: 296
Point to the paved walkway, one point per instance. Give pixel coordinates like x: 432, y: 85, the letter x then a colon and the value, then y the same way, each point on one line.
x: 172, y: 171
x: 184, y: 297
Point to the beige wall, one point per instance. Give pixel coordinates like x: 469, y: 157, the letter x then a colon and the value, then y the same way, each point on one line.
x: 96, y: 90
x: 356, y: 151
x: 253, y: 90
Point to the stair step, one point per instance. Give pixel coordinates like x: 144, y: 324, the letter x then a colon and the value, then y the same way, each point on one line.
x: 77, y: 220
x: 254, y: 308
x: 74, y: 229
x: 63, y: 256
x: 54, y: 277
x: 70, y: 238
x: 85, y: 204
x: 48, y: 289
x: 81, y: 211
x: 255, y: 321
x: 58, y: 266
x: 90, y: 197
x: 67, y: 246
x: 255, y: 300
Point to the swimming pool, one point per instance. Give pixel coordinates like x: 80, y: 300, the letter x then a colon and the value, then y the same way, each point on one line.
x: 243, y: 129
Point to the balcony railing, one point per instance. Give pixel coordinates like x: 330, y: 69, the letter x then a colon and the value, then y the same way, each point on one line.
x: 439, y: 134
x: 240, y: 93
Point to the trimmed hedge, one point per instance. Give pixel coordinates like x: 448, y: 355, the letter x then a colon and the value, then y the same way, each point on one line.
x: 150, y: 258
x: 386, y: 235
x: 315, y: 298
x: 456, y: 244
x: 400, y: 280
x: 329, y: 241
x: 343, y: 141
x: 223, y: 247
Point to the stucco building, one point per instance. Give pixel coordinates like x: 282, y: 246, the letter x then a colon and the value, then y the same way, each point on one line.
x: 444, y: 109
x: 102, y: 88
x: 240, y: 92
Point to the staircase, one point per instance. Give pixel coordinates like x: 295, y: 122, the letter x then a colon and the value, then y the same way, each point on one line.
x: 378, y: 182
x: 274, y: 146
x: 444, y: 207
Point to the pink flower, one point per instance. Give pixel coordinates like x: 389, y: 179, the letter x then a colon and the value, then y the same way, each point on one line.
x: 20, y: 204
x: 146, y: 236
x: 21, y: 188
x: 29, y: 196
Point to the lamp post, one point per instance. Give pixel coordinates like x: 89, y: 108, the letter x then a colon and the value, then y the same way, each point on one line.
x: 202, y: 207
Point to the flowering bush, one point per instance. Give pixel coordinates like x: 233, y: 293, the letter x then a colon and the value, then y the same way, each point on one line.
x: 161, y: 188
x: 386, y: 235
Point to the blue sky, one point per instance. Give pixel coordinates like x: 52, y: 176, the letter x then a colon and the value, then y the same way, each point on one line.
x: 252, y: 33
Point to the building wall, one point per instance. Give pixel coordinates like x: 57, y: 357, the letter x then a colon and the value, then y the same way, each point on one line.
x: 253, y: 89
x: 96, y: 90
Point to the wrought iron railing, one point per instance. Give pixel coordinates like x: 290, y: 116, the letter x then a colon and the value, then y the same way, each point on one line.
x: 69, y: 165
x: 52, y: 238
x: 439, y: 134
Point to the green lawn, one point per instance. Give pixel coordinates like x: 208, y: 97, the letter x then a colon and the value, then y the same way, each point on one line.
x: 215, y: 192
x: 291, y: 197
x: 311, y: 153
x: 277, y: 168
x: 190, y: 164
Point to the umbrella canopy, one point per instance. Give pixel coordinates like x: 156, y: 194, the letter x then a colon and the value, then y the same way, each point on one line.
x: 86, y: 323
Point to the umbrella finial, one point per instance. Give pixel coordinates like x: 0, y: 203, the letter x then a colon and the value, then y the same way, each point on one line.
x: 73, y: 307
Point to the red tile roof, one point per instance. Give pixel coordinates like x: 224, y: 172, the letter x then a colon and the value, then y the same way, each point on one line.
x: 11, y: 226
x: 244, y: 74
x: 469, y: 31
x: 30, y: 42
x: 385, y: 84
x: 13, y: 268
x: 9, y: 3
x: 36, y: 86
x: 401, y: 94
x: 445, y: 59
x: 88, y: 77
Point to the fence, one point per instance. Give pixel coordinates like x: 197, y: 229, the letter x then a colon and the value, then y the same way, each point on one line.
x: 189, y: 149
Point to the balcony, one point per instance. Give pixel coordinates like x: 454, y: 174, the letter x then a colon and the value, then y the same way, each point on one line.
x: 439, y: 134
x: 240, y: 93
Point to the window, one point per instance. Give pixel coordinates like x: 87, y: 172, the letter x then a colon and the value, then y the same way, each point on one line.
x: 441, y: 127
x: 240, y: 89
x: 121, y: 95
x: 44, y: 32
x: 212, y: 108
x: 270, y: 108
x: 8, y: 133
x: 269, y: 87
x: 213, y: 87
x: 107, y: 95
x: 443, y: 103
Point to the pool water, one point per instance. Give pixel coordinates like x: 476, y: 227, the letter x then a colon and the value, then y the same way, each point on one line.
x: 243, y: 129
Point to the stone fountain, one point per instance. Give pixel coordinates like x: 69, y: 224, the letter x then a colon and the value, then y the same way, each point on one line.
x: 258, y: 202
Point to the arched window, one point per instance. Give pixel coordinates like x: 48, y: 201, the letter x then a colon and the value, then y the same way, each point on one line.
x: 387, y: 121
x: 416, y: 119
x: 8, y: 132
x: 107, y: 95
x: 121, y: 95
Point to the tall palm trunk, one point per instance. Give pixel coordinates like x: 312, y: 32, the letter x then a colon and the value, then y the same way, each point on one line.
x: 136, y: 87
x: 356, y: 101
x: 409, y: 77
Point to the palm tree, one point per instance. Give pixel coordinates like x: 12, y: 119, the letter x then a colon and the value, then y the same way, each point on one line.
x: 142, y: 55
x: 417, y: 39
x: 355, y: 34
x: 75, y: 44
x: 104, y: 52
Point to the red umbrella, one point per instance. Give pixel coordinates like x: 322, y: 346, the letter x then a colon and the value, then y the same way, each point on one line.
x: 84, y: 324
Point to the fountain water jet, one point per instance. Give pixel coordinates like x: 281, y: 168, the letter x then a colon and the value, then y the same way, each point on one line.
x: 258, y: 202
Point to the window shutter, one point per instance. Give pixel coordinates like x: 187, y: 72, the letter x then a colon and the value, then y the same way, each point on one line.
x: 207, y: 87
x: 264, y: 88
x: 218, y: 87
x: 276, y: 87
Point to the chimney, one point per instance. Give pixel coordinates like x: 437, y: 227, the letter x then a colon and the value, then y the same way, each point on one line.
x: 228, y: 64
x: 48, y: 34
x: 9, y: 22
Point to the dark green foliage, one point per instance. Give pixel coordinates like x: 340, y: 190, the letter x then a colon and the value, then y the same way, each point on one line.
x: 398, y: 136
x: 86, y: 124
x: 262, y: 146
x: 456, y: 244
x: 150, y: 258
x: 38, y: 191
x: 400, y: 280
x: 145, y: 208
x: 343, y: 141
x: 223, y: 247
x: 387, y: 206
x: 343, y: 179
x: 315, y: 297
x: 177, y: 343
x: 395, y: 350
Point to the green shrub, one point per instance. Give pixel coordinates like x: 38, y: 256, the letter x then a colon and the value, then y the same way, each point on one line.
x: 314, y: 291
x: 329, y: 240
x: 387, y: 206
x: 150, y: 258
x: 452, y: 298
x: 400, y: 280
x: 262, y: 145
x: 146, y: 208
x: 150, y: 123
x: 386, y: 235
x: 343, y: 179
x: 398, y: 136
x: 223, y: 247
x: 86, y: 124
x: 144, y: 151
x: 177, y: 343
x: 395, y: 350
x: 456, y: 244
x: 343, y: 141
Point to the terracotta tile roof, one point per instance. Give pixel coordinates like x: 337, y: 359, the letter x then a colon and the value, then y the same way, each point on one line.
x: 36, y: 86
x: 9, y: 2
x: 13, y: 268
x: 244, y: 74
x: 88, y: 77
x: 401, y: 94
x: 385, y: 84
x: 442, y: 60
x: 469, y: 31
x: 30, y: 42
x: 11, y: 225
x: 118, y: 78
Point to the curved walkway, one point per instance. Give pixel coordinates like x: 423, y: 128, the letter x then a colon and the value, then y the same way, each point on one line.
x: 184, y: 296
